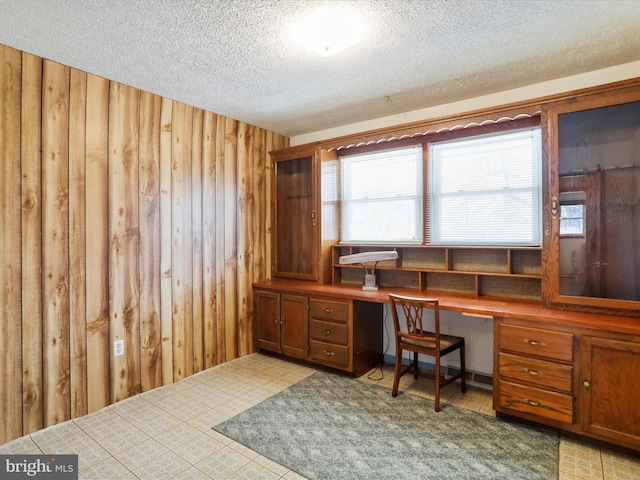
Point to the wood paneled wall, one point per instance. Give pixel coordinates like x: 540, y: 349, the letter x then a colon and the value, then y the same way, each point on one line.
x: 125, y: 216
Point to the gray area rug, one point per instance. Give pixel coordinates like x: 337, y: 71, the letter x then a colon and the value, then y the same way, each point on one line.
x: 332, y: 427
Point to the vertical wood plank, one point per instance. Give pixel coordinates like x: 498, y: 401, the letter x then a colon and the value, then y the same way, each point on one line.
x: 260, y: 225
x: 181, y: 256
x: 77, y: 233
x: 231, y: 238
x: 196, y: 241
x: 123, y: 236
x: 31, y: 121
x: 268, y: 202
x: 259, y: 189
x: 150, y: 326
x: 209, y: 237
x: 97, y: 243
x: 166, y: 299
x: 55, y: 238
x: 245, y: 237
x: 221, y: 345
x: 95, y: 218
x: 10, y: 246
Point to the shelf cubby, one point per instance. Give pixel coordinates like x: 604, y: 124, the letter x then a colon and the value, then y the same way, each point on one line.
x: 497, y: 272
x: 424, y: 258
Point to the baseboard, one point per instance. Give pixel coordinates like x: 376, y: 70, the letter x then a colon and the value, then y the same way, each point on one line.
x: 482, y: 380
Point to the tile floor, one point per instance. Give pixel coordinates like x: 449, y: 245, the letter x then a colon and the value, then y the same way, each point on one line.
x: 166, y: 433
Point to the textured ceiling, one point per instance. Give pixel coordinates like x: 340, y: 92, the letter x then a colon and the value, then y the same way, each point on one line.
x: 237, y: 57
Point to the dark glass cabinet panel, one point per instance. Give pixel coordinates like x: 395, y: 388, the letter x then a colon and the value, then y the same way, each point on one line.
x: 599, y: 168
x: 594, y: 165
x: 296, y: 221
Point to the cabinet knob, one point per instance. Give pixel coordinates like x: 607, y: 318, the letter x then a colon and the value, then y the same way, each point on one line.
x: 532, y: 372
x: 586, y: 383
x: 327, y: 310
x: 535, y: 343
x: 327, y: 332
x: 328, y: 353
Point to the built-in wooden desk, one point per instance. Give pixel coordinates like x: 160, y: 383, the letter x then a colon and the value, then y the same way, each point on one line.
x: 470, y: 305
x: 571, y: 370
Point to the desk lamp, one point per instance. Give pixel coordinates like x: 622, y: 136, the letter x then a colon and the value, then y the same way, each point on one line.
x: 368, y: 257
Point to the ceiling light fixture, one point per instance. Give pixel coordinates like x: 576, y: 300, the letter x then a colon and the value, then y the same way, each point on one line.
x: 328, y: 32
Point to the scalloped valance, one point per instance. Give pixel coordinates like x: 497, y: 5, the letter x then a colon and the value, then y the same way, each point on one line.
x: 435, y: 126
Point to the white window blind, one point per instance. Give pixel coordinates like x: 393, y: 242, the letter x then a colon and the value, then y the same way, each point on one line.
x: 330, y: 199
x: 381, y: 197
x: 486, y: 190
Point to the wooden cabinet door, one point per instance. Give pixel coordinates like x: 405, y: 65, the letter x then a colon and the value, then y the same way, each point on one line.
x: 295, y: 325
x: 609, y: 389
x: 267, y: 319
x: 591, y: 252
x: 296, y: 213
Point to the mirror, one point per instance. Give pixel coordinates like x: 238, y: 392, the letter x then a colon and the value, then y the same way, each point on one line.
x: 599, y: 165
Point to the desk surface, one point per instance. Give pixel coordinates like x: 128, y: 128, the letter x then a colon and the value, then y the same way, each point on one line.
x: 466, y: 305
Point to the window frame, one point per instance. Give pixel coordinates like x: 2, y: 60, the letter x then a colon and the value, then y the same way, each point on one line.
x: 534, y: 192
x: 472, y: 130
x: 346, y: 197
x: 570, y: 203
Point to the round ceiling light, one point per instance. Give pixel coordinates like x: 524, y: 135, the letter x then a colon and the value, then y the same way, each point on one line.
x: 329, y: 31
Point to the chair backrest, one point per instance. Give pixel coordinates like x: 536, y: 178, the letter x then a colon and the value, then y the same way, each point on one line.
x: 413, y: 309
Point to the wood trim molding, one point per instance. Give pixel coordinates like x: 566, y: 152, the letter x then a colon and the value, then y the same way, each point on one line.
x: 496, y: 114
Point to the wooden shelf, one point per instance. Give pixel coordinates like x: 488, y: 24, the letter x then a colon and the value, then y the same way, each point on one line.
x: 497, y: 272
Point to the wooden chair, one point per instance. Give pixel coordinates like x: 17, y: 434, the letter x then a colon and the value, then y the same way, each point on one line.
x: 410, y: 335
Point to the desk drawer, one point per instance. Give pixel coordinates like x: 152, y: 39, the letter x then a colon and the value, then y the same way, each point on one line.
x: 329, y: 309
x: 329, y: 353
x: 328, y: 331
x: 536, y: 341
x: 539, y: 372
x: 552, y: 405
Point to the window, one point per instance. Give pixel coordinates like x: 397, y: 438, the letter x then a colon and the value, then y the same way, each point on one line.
x: 381, y: 196
x: 486, y: 190
x: 572, y: 206
x: 482, y: 190
x: 330, y: 199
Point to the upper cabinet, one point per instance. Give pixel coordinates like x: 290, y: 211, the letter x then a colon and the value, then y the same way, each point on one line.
x: 592, y: 206
x: 296, y: 213
x: 590, y: 255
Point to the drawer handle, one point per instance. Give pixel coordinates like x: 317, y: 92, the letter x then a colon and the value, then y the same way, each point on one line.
x: 532, y: 372
x: 328, y: 353
x: 535, y: 343
x: 327, y: 310
x: 534, y: 404
x: 327, y: 332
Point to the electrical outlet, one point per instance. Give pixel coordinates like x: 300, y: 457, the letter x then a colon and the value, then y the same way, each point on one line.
x: 118, y: 348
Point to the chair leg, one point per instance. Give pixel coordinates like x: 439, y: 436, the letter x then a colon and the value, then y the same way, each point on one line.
x: 463, y: 370
x: 415, y: 365
x: 397, y: 373
x: 437, y: 378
